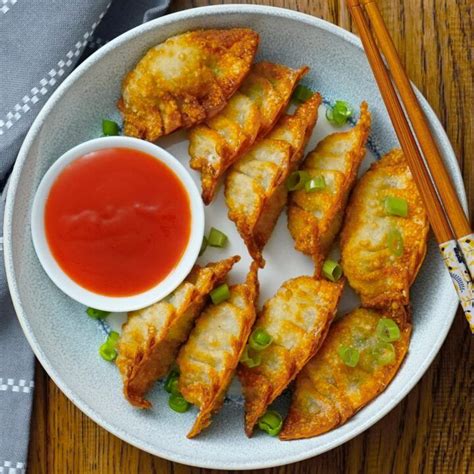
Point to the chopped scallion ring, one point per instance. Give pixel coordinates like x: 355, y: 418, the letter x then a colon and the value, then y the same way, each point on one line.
x: 107, y: 351
x: 395, y: 206
x: 171, y: 382
x: 302, y: 93
x: 110, y: 128
x: 349, y: 355
x: 315, y: 184
x: 178, y: 403
x: 217, y: 238
x: 395, y: 242
x: 332, y: 270
x: 203, y: 245
x: 113, y: 337
x: 297, y: 180
x: 387, y: 330
x: 271, y: 422
x: 97, y: 313
x: 220, y: 294
x: 260, y: 339
x: 384, y: 353
x: 339, y: 113
x: 251, y: 358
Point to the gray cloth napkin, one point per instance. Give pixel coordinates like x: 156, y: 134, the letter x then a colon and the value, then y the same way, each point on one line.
x: 41, y: 41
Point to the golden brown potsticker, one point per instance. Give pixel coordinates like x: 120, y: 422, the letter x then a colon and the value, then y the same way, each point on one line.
x: 328, y: 392
x: 315, y: 218
x: 185, y: 80
x: 208, y: 360
x: 255, y: 190
x: 151, y: 337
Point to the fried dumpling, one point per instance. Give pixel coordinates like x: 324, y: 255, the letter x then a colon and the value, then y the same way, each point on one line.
x: 298, y: 318
x: 250, y: 114
x: 208, y: 360
x: 185, y: 80
x: 382, y: 253
x: 315, y: 218
x: 255, y: 190
x: 328, y: 392
x: 151, y: 337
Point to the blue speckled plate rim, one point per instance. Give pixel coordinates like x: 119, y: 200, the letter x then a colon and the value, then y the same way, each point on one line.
x: 23, y: 155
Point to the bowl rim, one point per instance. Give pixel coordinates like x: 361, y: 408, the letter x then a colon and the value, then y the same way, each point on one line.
x: 22, y: 157
x: 81, y: 294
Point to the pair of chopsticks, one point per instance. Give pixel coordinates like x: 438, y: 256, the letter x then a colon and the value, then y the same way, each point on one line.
x: 445, y: 213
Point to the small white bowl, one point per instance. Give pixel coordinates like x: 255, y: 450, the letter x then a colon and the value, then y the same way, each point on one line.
x: 81, y: 294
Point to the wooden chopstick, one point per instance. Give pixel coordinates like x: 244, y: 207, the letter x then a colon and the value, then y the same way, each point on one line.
x: 451, y: 254
x: 439, y: 174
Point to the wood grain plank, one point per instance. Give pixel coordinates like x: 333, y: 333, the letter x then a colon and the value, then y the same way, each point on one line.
x: 432, y: 429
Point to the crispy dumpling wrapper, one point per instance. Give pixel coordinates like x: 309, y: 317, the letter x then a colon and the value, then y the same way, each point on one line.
x: 185, y: 80
x: 327, y: 391
x: 381, y: 254
x: 152, y: 336
x: 250, y: 114
x: 208, y: 360
x: 315, y: 218
x: 255, y: 190
x: 298, y: 318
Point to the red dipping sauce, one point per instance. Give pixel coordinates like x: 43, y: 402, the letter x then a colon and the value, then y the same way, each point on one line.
x: 117, y: 221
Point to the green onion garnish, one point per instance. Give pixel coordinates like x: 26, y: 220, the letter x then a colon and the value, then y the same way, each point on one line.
x: 217, y: 238
x: 113, y: 337
x: 349, y: 355
x: 332, y: 270
x: 220, y: 294
x: 384, y: 353
x: 271, y: 422
x: 297, y: 180
x: 395, y: 206
x: 110, y: 128
x: 395, y: 242
x: 260, y: 339
x: 203, y: 245
x: 97, y: 313
x: 339, y: 113
x: 250, y: 358
x: 315, y: 184
x: 171, y: 382
x: 387, y: 330
x: 178, y: 403
x: 302, y: 94
x: 107, y: 351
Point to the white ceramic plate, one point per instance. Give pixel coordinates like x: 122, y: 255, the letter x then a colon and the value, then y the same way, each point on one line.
x: 66, y: 341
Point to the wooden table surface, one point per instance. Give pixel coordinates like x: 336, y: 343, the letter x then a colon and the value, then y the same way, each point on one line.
x: 432, y: 429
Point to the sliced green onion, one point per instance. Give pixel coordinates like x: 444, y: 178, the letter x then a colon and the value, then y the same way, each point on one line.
x: 302, y: 93
x: 97, y: 313
x: 171, y: 382
x: 260, y: 339
x: 107, y: 351
x: 395, y: 206
x: 297, y: 180
x: 113, y: 337
x: 271, y: 422
x: 217, y: 238
x: 332, y: 270
x: 110, y: 128
x: 387, y: 330
x: 251, y: 358
x: 315, y: 184
x: 178, y: 403
x: 203, y: 245
x: 384, y: 353
x: 349, y: 355
x: 339, y: 113
x: 395, y: 242
x: 220, y: 294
